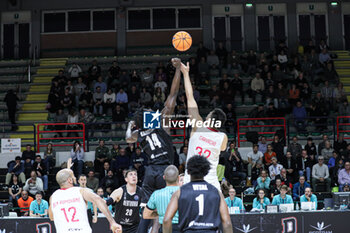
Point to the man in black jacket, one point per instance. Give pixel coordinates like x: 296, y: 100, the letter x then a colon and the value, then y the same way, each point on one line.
x: 290, y: 165
x: 11, y: 103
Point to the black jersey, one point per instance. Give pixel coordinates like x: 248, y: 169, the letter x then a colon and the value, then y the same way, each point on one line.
x: 157, y: 145
x: 128, y: 208
x: 199, y: 207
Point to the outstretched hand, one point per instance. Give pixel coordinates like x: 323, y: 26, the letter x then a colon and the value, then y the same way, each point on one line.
x: 176, y: 62
x: 116, y: 228
x: 185, y: 68
x: 70, y: 163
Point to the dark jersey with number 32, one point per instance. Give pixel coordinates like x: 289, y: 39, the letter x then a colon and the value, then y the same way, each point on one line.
x: 128, y: 208
x: 199, y: 207
x: 157, y: 145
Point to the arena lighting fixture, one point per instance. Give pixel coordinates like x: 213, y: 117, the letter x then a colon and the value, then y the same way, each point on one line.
x: 334, y: 3
x: 249, y: 5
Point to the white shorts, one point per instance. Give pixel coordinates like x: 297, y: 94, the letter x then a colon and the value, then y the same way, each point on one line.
x: 213, y: 180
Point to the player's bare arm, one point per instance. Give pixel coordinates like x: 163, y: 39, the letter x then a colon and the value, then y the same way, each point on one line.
x: 117, y: 194
x: 170, y: 102
x: 50, y: 210
x: 224, y: 143
x: 149, y: 214
x: 191, y: 102
x: 170, y: 212
x: 94, y: 219
x: 225, y: 217
x: 100, y: 203
x: 131, y: 134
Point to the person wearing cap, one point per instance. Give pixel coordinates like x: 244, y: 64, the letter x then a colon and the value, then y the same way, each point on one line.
x: 344, y: 176
x: 15, y: 167
x: 39, y: 207
x: 320, y: 174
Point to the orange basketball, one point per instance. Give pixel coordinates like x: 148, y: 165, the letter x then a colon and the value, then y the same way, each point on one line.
x: 182, y: 41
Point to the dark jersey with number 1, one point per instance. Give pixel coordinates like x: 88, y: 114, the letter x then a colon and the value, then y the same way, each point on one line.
x: 157, y: 145
x: 128, y: 208
x: 199, y: 207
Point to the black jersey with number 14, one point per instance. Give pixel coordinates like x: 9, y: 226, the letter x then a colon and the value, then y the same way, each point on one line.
x: 199, y: 207
x: 157, y: 145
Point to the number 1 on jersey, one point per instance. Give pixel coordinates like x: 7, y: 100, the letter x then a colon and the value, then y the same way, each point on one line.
x: 200, y: 200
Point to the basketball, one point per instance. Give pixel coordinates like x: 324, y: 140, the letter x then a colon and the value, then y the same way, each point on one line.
x: 182, y: 41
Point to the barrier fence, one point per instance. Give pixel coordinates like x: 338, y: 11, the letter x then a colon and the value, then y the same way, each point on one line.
x: 342, y: 123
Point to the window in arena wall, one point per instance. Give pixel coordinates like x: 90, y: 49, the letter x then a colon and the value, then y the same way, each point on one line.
x: 189, y: 18
x: 54, y: 22
x: 79, y: 21
x: 164, y: 18
x: 139, y: 19
x: 103, y: 20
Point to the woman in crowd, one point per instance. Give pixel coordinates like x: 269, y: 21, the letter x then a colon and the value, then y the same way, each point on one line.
x: 261, y: 201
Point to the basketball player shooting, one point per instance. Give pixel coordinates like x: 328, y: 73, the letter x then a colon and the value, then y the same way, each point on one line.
x: 68, y: 205
x: 204, y: 141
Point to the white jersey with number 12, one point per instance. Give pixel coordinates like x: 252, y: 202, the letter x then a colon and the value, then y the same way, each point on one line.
x: 206, y: 142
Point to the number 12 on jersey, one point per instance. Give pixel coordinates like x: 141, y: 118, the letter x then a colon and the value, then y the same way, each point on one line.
x: 71, y: 209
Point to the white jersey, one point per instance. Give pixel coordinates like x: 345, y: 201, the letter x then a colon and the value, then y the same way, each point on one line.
x: 70, y: 211
x: 206, y: 142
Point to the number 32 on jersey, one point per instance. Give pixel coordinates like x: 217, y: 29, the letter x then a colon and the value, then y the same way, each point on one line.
x: 200, y: 152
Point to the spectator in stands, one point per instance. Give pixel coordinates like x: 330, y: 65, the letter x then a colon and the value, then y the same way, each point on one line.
x: 257, y: 112
x: 237, y: 86
x: 11, y: 99
x: 339, y: 95
x: 327, y: 151
x: 94, y: 72
x: 135, y: 78
x: 283, y: 60
x: 101, y: 155
x: 344, y: 176
x: 161, y: 84
x: 289, y: 164
x: 253, y: 157
x: 202, y: 51
x: 310, y: 147
x: 60, y: 78
x: 322, y: 144
x: 327, y: 92
x: 234, y: 165
x: 122, y: 99
x: 67, y: 100
x: 346, y: 153
x: 139, y: 161
x: 282, y: 96
x: 113, y: 74
x: 98, y: 101
x: 74, y: 71
x: 262, y: 145
x: 15, y: 168
x: 213, y: 60
x: 333, y: 161
x: 261, y: 201
x: 251, y: 62
x: 275, y: 168
x: 70, y: 87
x: 282, y: 198
x: 203, y: 66
x: 285, y: 179
x: 270, y: 96
x: 53, y: 102
x: 304, y: 165
x: 147, y: 78
x: 214, y: 96
x: 145, y: 98
x: 221, y: 52
x: 109, y: 181
x: 299, y: 188
x: 340, y: 145
x: 268, y: 155
x: 324, y: 57
x: 276, y: 187
x: 294, y: 94
x: 121, y: 163
x: 158, y: 98
x: 86, y: 117
x: 309, y: 197
x: 28, y: 157
x: 106, y: 168
x: 233, y: 201
x: 108, y: 101
x: 183, y: 159
x: 92, y: 182
x: 344, y: 110
x: 100, y: 193
x: 60, y: 117
x: 294, y: 147
x: 101, y: 84
x: 133, y: 98
x: 320, y: 174
x: 15, y: 189
x: 230, y: 118
x: 257, y: 87
x: 226, y: 94
x: 278, y: 147
x: 39, y: 207
x: 86, y: 100
x: 77, y: 155
x: 41, y: 171
x: 72, y: 119
x: 124, y: 80
x: 33, y: 184
x: 263, y: 182
x: 119, y: 116
x: 50, y: 156
x: 24, y: 203
x: 305, y: 93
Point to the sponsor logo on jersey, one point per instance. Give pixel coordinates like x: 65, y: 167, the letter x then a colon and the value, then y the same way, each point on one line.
x: 130, y: 203
x: 136, y: 197
x: 200, y: 224
x: 246, y: 228
x: 151, y: 120
x: 320, y: 228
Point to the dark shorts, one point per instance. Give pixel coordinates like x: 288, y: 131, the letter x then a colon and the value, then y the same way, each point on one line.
x: 175, y: 229
x: 130, y: 229
x: 153, y: 179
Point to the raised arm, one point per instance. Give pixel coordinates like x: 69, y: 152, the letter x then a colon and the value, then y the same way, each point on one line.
x: 131, y: 135
x: 101, y: 204
x: 50, y: 210
x: 170, y: 102
x: 170, y: 212
x: 191, y: 102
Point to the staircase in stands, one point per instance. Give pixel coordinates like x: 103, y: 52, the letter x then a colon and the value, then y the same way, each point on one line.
x: 33, y: 109
x: 342, y: 66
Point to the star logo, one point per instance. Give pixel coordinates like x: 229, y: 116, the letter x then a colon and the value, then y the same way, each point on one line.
x: 320, y: 226
x: 151, y: 120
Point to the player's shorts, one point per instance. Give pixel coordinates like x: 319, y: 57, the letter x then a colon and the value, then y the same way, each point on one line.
x: 153, y: 179
x: 130, y: 229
